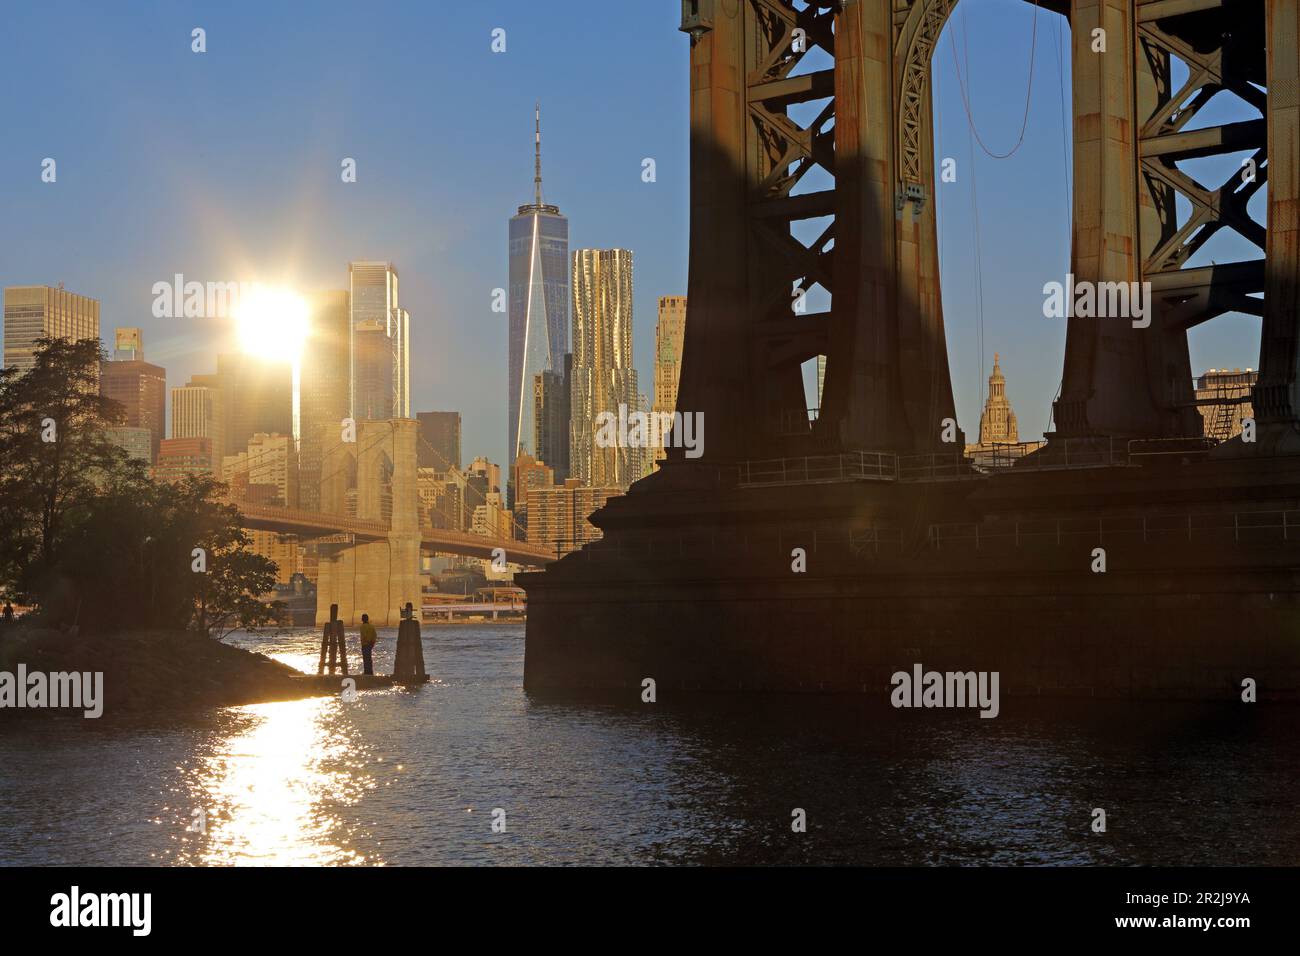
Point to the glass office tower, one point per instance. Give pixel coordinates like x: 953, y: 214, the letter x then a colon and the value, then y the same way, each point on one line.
x: 539, y: 303
x: 380, y: 344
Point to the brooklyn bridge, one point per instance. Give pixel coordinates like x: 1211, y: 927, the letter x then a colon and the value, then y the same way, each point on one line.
x: 370, y: 554
x: 1130, y: 555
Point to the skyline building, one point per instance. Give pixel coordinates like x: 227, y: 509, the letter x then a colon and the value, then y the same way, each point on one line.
x: 474, y: 491
x: 526, y: 474
x: 139, y: 387
x: 380, y: 347
x: 1228, y: 396
x: 558, y: 516
x: 441, y: 494
x: 178, y: 457
x: 265, y: 472
x: 197, y: 413
x: 284, y: 550
x: 603, y: 376
x: 553, y: 417
x: 449, y: 502
x: 539, y: 303
x: 324, y: 386
x: 999, y: 444
x: 128, y: 344
x: 33, y: 311
x: 326, y: 364
x: 490, y: 471
x: 492, y: 518
x: 256, y: 396
x: 482, y: 480
x: 136, y: 442
x: 670, y: 333
x: 998, y: 421
x: 439, y: 445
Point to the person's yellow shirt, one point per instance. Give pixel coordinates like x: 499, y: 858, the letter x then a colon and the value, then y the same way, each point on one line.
x: 368, y: 635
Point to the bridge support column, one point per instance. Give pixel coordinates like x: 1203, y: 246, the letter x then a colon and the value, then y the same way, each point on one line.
x: 379, y: 577
x: 386, y: 576
x: 404, y: 538
x: 1277, y: 395
x: 887, y: 378
x: 1104, y: 385
x: 335, y: 573
x: 715, y: 376
x: 334, y: 585
x: 1132, y: 128
x: 887, y: 382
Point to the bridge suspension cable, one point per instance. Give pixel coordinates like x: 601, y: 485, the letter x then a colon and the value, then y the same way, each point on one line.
x: 963, y: 86
x: 447, y: 466
x: 248, y: 464
x: 1066, y: 165
x: 978, y: 241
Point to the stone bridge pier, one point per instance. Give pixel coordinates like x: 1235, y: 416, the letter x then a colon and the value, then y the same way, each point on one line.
x: 373, y: 577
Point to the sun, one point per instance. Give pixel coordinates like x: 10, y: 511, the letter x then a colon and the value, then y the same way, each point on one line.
x: 272, y: 324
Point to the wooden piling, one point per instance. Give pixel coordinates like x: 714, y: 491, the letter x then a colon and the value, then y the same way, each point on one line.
x: 332, y: 642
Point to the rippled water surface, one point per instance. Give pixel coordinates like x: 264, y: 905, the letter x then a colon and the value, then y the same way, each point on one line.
x: 406, y: 777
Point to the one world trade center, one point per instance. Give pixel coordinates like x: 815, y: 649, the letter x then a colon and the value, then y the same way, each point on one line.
x: 539, y: 303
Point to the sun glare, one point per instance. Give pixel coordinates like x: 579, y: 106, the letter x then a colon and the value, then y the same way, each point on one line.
x: 272, y: 324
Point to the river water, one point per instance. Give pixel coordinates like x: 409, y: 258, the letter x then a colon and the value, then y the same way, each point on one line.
x: 412, y: 776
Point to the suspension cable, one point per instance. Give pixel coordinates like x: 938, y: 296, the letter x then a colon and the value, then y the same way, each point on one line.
x: 971, y: 137
x: 965, y: 92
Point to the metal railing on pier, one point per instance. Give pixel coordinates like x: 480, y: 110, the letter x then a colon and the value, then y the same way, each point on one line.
x: 715, y: 543
x: 814, y: 469
x: 1206, y: 528
x: 1061, y: 453
x: 1203, y: 529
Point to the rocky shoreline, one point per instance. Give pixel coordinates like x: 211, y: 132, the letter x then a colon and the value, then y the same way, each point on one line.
x: 148, y: 672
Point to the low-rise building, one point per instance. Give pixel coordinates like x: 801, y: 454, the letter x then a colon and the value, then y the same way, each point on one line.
x: 178, y: 457
x: 557, y: 516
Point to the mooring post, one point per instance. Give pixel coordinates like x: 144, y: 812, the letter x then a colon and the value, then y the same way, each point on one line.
x: 341, y: 641
x: 408, y: 664
x: 327, y: 642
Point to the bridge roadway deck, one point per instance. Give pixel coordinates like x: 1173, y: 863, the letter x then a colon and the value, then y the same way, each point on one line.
x: 309, y: 524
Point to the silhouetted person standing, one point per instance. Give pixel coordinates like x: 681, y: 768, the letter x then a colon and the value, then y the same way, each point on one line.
x: 368, y: 639
x: 9, y: 612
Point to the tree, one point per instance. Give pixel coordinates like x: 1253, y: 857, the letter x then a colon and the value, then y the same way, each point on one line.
x: 54, y: 455
x: 227, y: 596
x: 90, y: 537
x: 169, y: 556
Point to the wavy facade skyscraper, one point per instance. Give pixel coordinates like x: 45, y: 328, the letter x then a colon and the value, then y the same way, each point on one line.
x: 603, y: 377
x: 539, y: 303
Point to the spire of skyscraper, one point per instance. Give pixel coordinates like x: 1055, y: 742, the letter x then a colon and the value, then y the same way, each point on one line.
x: 537, y: 159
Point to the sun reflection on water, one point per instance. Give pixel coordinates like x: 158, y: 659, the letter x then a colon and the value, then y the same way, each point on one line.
x: 272, y: 789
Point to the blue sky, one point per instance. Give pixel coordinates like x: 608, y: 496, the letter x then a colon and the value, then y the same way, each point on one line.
x: 225, y: 166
